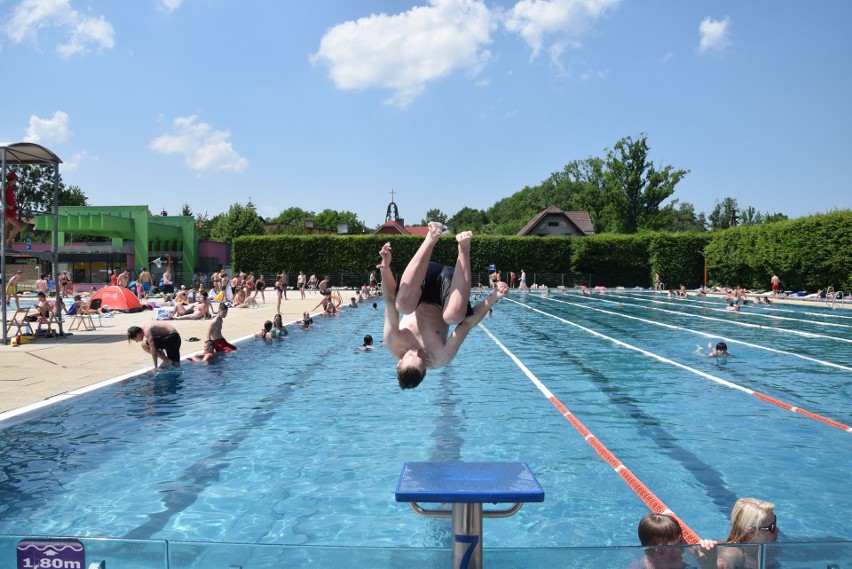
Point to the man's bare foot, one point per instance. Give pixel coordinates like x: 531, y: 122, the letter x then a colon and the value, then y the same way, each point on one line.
x: 464, y: 240
x: 436, y: 229
x: 385, y: 254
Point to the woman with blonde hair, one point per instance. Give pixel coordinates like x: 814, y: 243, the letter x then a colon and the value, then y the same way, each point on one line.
x: 752, y: 521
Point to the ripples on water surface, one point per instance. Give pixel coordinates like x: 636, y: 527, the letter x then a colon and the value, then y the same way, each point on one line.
x: 302, y: 442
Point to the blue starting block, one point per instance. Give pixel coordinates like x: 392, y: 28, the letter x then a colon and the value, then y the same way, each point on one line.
x: 467, y: 485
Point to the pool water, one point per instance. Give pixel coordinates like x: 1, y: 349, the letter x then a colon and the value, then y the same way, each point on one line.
x: 302, y: 441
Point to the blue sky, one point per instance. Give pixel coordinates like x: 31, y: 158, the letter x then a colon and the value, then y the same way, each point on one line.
x: 450, y: 103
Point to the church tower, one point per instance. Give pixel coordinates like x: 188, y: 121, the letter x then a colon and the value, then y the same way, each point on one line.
x: 393, y: 212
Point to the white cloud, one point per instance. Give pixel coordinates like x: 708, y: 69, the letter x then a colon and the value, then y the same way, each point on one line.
x: 170, y: 5
x: 405, y: 52
x: 32, y: 17
x: 714, y: 35
x: 73, y: 163
x: 563, y: 21
x: 54, y: 129
x: 203, y: 148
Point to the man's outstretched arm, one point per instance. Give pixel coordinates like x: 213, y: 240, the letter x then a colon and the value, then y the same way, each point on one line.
x: 389, y: 294
x: 461, y: 331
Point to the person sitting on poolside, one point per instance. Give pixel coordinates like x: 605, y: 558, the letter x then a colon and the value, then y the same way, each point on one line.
x: 43, y: 306
x: 197, y: 311
x: 657, y: 533
x: 431, y: 297
x: 214, y: 332
x: 207, y: 356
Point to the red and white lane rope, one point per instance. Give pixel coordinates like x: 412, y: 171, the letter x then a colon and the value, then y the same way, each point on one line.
x: 643, y: 492
x: 719, y: 380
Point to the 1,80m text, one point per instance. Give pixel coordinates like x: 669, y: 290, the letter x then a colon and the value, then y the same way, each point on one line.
x: 51, y: 564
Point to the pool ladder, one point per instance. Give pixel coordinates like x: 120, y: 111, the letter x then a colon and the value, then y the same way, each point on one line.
x: 832, y: 296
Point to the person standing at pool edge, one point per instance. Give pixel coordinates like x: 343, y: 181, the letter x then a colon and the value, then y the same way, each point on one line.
x: 158, y: 338
x: 775, y: 282
x: 431, y: 297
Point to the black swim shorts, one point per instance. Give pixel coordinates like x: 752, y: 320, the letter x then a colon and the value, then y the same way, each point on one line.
x: 437, y: 285
x: 170, y: 343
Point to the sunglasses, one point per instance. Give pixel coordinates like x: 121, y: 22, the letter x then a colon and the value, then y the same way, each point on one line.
x: 771, y: 527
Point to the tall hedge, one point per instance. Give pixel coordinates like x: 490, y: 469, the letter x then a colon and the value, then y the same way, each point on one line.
x: 323, y: 254
x: 612, y: 259
x: 678, y: 258
x: 807, y: 254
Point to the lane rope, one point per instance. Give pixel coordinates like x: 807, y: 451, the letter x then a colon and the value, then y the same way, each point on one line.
x: 699, y: 332
x: 639, y: 488
x: 715, y: 307
x: 719, y: 380
x: 772, y: 308
x: 733, y: 321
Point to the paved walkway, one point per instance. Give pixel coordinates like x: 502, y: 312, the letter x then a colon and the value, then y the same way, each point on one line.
x: 52, y: 367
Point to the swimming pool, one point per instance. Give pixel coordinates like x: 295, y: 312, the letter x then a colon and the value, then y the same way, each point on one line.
x: 302, y: 442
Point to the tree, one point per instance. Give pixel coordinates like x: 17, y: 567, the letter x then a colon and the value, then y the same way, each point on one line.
x: 186, y: 210
x: 684, y: 219
x: 638, y: 187
x: 591, y: 193
x: 467, y: 219
x: 724, y: 215
x: 204, y: 225
x: 434, y: 215
x: 240, y: 220
x: 329, y: 219
x: 35, y: 190
x: 291, y: 221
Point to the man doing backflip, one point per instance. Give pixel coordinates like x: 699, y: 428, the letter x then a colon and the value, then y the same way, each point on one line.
x: 431, y: 297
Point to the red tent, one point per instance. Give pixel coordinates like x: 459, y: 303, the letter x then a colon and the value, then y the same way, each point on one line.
x: 118, y: 298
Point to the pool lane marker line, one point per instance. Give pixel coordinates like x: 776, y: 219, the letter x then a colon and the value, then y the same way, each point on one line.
x: 763, y: 311
x: 700, y: 333
x: 643, y: 492
x: 725, y: 310
x: 763, y: 307
x: 727, y: 321
x: 719, y: 380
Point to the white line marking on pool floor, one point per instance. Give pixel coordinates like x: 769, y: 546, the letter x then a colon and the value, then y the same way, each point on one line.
x: 719, y: 380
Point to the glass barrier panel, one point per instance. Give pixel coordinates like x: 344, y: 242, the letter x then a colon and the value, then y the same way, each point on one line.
x: 117, y: 553
x: 154, y: 554
x: 817, y: 555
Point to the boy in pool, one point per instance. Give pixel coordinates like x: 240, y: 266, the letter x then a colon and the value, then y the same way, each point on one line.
x: 207, y: 356
x: 720, y: 350
x: 430, y: 297
x: 656, y: 531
